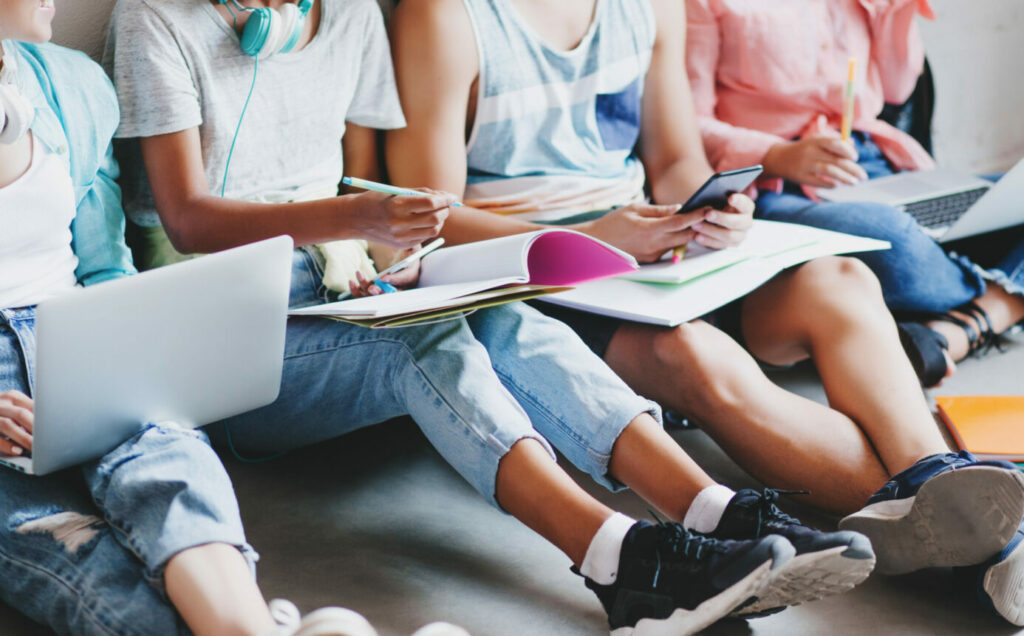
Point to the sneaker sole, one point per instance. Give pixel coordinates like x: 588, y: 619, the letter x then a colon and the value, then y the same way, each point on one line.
x: 684, y: 621
x: 958, y: 518
x: 1004, y: 584
x: 809, y: 577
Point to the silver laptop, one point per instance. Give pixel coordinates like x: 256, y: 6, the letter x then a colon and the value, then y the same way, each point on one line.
x: 947, y: 204
x: 191, y: 343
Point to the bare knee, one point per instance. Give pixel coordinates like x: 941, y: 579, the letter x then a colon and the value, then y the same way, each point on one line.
x: 836, y: 288
x: 707, y: 368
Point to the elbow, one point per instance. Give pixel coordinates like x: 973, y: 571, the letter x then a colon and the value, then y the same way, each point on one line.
x: 181, y: 231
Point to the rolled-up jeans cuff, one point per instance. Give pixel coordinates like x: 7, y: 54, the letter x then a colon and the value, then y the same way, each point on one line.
x: 1009, y: 282
x: 599, y: 454
x: 155, y: 574
x: 165, y: 491
x: 498, y: 445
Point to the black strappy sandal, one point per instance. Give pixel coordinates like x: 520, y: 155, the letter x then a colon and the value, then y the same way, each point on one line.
x: 926, y: 347
x: 981, y: 337
x: 926, y: 350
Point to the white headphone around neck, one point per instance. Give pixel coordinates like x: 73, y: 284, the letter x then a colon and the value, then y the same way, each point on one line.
x: 16, y: 112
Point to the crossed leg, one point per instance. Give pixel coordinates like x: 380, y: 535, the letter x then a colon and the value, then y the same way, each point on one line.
x: 830, y: 310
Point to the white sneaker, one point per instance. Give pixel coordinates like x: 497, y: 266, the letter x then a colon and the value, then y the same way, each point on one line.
x: 441, y: 629
x: 326, y: 621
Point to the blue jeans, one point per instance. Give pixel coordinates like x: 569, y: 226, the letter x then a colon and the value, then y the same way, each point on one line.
x: 83, y: 550
x: 917, y: 274
x: 474, y: 385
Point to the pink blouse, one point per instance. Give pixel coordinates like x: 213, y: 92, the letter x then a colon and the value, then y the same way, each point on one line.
x: 765, y: 72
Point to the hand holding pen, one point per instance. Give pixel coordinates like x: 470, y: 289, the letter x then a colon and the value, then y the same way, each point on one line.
x: 402, y: 275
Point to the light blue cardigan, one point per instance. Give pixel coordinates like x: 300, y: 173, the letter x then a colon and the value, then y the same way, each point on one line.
x: 76, y: 116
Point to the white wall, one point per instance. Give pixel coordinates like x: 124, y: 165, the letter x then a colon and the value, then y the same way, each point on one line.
x: 976, y: 50
x: 82, y: 24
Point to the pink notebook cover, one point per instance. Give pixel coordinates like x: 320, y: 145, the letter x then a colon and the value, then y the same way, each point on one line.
x: 567, y: 259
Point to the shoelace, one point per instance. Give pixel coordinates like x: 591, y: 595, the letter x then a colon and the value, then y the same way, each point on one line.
x: 768, y: 512
x: 681, y: 541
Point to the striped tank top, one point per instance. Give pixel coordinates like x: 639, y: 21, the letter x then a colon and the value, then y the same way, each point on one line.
x: 554, y: 131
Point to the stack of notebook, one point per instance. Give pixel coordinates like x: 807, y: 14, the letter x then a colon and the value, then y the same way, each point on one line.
x: 991, y: 427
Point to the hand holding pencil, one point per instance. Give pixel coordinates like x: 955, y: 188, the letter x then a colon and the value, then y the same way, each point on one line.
x: 397, y: 217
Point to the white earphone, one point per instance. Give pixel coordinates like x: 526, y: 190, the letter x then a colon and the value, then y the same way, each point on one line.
x: 16, y: 112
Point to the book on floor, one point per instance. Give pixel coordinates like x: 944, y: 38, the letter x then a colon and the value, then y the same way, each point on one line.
x: 454, y: 280
x: 670, y: 294
x: 990, y: 426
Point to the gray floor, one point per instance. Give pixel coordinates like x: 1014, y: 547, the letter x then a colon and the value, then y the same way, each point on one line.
x: 378, y: 522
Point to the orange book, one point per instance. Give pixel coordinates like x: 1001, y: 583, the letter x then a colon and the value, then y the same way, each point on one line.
x: 990, y: 426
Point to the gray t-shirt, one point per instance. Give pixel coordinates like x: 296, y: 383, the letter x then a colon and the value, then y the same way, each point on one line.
x: 177, y: 64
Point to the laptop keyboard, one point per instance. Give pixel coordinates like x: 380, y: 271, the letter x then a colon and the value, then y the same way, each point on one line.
x: 943, y: 211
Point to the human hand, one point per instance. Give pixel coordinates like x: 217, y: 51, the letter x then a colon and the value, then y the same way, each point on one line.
x: 401, y: 221
x: 726, y: 227
x: 16, y: 418
x: 822, y: 161
x: 406, y: 278
x: 645, y: 231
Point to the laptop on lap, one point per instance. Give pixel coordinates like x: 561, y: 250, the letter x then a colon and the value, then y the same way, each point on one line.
x: 191, y: 343
x: 947, y: 204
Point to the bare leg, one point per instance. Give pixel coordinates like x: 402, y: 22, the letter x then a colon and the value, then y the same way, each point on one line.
x: 647, y: 460
x: 832, y: 310
x: 1003, y: 308
x: 782, y: 439
x: 214, y: 591
x: 532, y: 488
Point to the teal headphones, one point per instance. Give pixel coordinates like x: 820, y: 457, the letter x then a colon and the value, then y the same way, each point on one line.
x: 267, y: 31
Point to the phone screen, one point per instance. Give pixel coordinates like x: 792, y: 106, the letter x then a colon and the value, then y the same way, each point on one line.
x: 716, y: 190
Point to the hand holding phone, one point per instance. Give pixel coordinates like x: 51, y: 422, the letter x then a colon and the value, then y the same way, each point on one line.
x: 732, y: 215
x: 716, y: 190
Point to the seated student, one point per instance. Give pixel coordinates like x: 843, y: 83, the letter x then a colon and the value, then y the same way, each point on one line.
x: 146, y: 539
x: 761, y: 97
x: 488, y: 390
x: 552, y: 97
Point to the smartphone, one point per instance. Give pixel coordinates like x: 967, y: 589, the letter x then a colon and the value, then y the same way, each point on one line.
x: 716, y: 190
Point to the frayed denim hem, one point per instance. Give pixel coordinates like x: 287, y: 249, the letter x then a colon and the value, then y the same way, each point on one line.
x: 1009, y: 282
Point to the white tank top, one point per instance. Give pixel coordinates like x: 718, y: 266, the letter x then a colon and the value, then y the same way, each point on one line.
x: 36, y: 210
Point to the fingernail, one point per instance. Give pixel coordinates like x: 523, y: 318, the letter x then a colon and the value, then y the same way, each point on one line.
x: 712, y: 216
x: 16, y: 450
x: 698, y: 225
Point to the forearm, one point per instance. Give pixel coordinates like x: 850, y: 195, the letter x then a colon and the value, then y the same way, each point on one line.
x: 206, y: 224
x: 467, y: 225
x: 678, y: 181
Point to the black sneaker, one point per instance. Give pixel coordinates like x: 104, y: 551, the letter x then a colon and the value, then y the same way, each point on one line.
x: 673, y: 581
x: 826, y: 563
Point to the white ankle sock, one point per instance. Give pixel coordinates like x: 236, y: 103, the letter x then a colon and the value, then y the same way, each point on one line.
x: 601, y: 563
x: 707, y: 508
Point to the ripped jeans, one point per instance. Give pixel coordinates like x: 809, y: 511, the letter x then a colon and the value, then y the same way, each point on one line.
x: 83, y: 550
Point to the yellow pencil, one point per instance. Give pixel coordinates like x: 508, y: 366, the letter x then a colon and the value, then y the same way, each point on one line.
x: 678, y: 254
x: 851, y: 73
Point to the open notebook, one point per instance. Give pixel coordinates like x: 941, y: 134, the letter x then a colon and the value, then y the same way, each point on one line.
x: 990, y: 426
x: 475, y: 275
x: 705, y: 280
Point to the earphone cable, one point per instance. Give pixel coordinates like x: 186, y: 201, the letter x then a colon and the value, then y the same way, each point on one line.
x: 245, y: 107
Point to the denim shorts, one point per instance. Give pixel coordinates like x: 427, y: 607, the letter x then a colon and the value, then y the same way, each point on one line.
x: 596, y: 331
